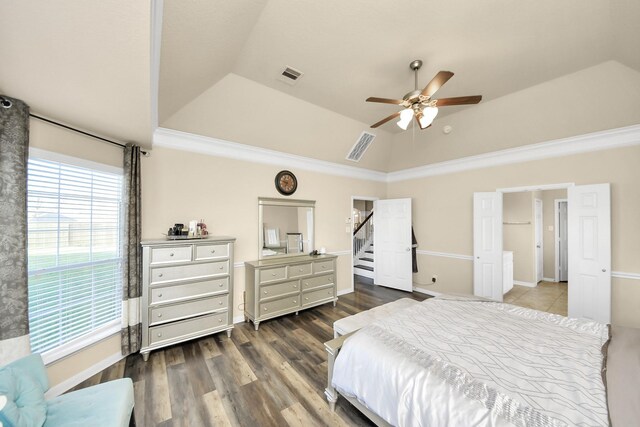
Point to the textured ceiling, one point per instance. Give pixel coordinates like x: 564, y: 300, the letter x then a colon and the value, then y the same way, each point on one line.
x: 350, y: 50
x: 86, y: 63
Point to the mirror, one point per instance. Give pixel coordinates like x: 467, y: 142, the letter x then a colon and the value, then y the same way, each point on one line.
x: 285, y: 227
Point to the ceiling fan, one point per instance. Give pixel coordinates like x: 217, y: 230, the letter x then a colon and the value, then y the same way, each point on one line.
x: 420, y: 104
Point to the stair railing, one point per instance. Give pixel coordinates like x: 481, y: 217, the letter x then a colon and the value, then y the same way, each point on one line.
x: 362, y: 236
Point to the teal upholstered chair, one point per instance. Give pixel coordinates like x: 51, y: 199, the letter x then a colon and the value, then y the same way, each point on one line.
x: 24, y: 383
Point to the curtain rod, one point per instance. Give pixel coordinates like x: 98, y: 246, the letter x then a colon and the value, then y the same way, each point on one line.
x: 62, y: 125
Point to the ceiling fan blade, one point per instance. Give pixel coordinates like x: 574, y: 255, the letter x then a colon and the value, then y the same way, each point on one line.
x: 441, y: 78
x: 386, y: 119
x: 460, y: 100
x: 385, y: 100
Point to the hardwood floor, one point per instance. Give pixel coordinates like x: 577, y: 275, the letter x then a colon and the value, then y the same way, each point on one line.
x: 273, y: 377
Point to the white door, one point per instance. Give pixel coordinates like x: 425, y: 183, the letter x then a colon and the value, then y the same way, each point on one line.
x: 563, y: 260
x: 589, y: 239
x: 392, y: 235
x: 538, y: 237
x: 487, y: 245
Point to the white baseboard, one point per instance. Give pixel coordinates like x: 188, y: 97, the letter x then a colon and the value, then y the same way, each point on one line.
x: 345, y: 291
x: 549, y: 279
x: 426, y: 291
x: 73, y: 381
x: 527, y: 284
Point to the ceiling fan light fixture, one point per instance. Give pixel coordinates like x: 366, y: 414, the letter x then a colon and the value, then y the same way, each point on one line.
x: 405, y: 118
x: 428, y: 115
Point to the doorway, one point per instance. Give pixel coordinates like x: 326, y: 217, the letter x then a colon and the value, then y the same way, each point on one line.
x: 561, y: 236
x: 361, y: 229
x: 588, y: 234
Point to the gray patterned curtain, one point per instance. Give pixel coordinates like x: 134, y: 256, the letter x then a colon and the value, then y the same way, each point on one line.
x: 14, y: 303
x: 132, y: 263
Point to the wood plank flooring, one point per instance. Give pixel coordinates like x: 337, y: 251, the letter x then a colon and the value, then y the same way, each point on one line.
x: 273, y: 377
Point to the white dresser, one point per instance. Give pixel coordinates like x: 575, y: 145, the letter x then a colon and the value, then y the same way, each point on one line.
x: 275, y: 287
x: 187, y: 290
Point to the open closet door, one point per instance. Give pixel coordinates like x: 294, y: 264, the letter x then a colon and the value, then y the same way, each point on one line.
x: 392, y: 238
x: 487, y: 245
x: 589, y: 240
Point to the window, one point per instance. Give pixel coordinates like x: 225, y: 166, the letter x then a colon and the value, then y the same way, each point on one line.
x: 75, y: 259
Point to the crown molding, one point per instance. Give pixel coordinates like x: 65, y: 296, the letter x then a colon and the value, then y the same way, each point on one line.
x: 604, y: 140
x: 185, y: 141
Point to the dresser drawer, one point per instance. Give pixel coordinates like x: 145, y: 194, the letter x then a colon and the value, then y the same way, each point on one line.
x: 172, y: 254
x: 323, y: 266
x: 169, y: 313
x: 269, y: 291
x: 298, y: 270
x: 271, y: 274
x: 212, y: 251
x: 185, y: 328
x: 276, y: 306
x: 317, y: 296
x: 188, y: 272
x: 174, y: 293
x: 317, y: 281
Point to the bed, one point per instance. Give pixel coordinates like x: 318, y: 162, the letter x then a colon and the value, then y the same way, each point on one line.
x: 453, y: 361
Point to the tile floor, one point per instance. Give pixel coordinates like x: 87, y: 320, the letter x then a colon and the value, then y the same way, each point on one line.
x: 547, y: 296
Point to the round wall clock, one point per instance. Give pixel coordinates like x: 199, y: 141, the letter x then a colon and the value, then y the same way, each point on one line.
x: 286, y: 183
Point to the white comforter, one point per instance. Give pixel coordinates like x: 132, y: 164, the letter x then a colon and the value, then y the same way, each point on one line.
x: 447, y: 362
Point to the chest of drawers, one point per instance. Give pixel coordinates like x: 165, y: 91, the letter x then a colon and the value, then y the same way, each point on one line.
x: 276, y: 287
x: 187, y: 290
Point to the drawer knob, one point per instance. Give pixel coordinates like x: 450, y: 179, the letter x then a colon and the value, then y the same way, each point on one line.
x: 171, y: 254
x: 265, y: 292
x: 300, y: 269
x: 159, y: 334
x: 160, y: 275
x: 295, y: 302
x: 219, y: 320
x: 331, y: 278
x: 213, y: 251
x: 265, y: 309
x: 295, y: 286
x: 306, y: 298
x: 324, y: 266
x: 159, y: 314
x: 221, y: 267
x: 329, y: 292
x: 221, y: 284
x: 273, y: 274
x: 220, y: 303
x: 159, y: 295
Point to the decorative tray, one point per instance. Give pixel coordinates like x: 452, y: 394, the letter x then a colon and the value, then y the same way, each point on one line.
x: 186, y: 237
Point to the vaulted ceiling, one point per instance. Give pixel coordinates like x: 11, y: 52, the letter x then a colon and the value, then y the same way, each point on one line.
x: 90, y: 63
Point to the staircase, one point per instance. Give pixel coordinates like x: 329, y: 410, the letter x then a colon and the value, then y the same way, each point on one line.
x: 363, y: 248
x: 363, y: 265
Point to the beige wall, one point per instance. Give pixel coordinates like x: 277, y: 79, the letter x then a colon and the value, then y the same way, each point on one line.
x: 180, y: 185
x: 48, y: 137
x: 518, y: 237
x: 443, y: 217
x: 549, y: 235
x: 574, y: 104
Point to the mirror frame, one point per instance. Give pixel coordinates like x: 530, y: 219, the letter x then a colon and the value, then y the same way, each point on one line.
x: 268, y: 201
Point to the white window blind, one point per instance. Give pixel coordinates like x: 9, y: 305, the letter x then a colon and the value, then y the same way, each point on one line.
x: 75, y: 259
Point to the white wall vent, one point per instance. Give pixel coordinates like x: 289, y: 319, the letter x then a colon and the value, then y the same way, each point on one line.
x: 361, y: 145
x: 290, y: 76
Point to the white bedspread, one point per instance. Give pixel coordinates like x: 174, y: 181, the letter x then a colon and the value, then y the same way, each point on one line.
x: 448, y: 362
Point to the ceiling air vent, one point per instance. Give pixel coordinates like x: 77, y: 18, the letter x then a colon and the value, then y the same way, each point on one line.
x: 361, y: 145
x: 290, y: 76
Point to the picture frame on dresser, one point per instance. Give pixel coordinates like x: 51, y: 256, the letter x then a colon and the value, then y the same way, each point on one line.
x: 187, y: 290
